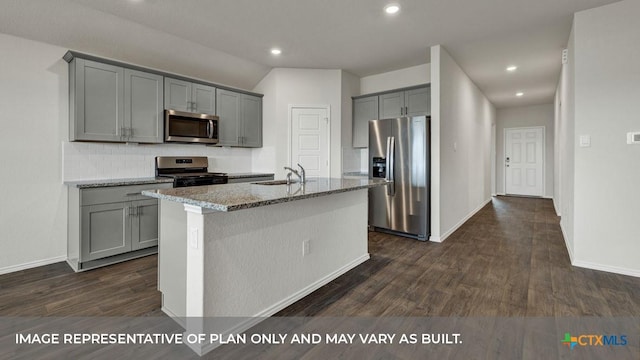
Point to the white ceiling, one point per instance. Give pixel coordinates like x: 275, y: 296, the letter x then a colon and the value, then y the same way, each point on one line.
x: 233, y: 37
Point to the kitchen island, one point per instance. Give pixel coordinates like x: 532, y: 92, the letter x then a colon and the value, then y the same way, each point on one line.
x: 249, y: 250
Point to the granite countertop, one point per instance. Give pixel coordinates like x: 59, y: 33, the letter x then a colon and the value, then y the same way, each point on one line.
x: 247, y: 175
x: 85, y: 184
x: 231, y: 197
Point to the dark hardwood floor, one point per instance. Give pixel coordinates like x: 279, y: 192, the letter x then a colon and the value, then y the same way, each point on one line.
x: 55, y: 290
x: 508, y: 260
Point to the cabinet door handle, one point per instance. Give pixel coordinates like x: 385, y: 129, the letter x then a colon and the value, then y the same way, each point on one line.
x: 133, y: 194
x: 406, y: 110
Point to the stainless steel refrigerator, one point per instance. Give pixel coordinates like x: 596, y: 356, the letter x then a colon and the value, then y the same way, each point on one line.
x: 399, y: 152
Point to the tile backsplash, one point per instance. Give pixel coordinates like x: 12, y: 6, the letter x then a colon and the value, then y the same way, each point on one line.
x: 355, y: 160
x: 93, y: 161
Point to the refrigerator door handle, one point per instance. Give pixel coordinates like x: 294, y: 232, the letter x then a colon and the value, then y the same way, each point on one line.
x: 391, y: 175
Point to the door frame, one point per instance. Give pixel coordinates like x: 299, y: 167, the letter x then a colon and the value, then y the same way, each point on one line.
x: 544, y: 157
x: 290, y: 131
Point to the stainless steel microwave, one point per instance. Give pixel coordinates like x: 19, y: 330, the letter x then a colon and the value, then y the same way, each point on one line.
x: 186, y: 127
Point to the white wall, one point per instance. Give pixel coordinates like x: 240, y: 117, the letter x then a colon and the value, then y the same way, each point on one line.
x: 351, y: 158
x: 526, y: 116
x: 33, y: 99
x: 34, y: 95
x: 462, y: 119
x: 607, y: 174
x: 565, y: 125
x: 283, y: 87
x: 415, y: 75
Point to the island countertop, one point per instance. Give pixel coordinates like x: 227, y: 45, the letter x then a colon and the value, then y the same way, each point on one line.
x: 232, y: 197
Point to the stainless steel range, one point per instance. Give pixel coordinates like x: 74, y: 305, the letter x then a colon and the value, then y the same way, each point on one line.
x: 188, y: 171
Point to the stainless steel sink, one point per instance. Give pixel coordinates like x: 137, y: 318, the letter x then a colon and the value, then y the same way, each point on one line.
x: 273, y: 182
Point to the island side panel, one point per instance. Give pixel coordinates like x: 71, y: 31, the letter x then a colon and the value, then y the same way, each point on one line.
x: 172, y: 259
x: 254, y: 263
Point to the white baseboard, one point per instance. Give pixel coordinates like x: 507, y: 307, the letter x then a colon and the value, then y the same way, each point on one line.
x: 262, y: 315
x: 502, y: 194
x: 555, y: 207
x: 180, y: 320
x: 607, y: 268
x: 32, y: 264
x: 444, y: 236
x: 548, y: 197
x: 596, y: 266
x: 566, y: 243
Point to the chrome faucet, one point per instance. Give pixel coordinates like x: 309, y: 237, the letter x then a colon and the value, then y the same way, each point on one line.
x: 299, y: 173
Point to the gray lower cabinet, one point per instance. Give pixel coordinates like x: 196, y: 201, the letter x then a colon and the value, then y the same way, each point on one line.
x: 105, y: 230
x: 144, y: 224
x: 364, y: 109
x: 112, y: 103
x: 188, y: 96
x: 111, y: 224
x: 240, y: 121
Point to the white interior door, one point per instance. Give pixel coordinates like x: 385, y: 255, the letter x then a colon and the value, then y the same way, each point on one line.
x: 524, y: 161
x: 310, y: 140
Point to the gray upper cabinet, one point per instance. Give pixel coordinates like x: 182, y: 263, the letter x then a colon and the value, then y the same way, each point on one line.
x: 96, y: 94
x: 143, y: 107
x: 364, y: 109
x: 411, y: 102
x: 405, y: 103
x: 391, y: 105
x: 418, y: 101
x: 203, y: 99
x: 240, y: 119
x: 187, y: 96
x: 229, y: 114
x: 251, y: 107
x: 111, y: 103
x: 177, y: 94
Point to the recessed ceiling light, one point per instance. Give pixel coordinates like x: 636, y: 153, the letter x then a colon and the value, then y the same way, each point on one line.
x: 512, y: 68
x: 392, y: 9
x: 519, y: 94
x: 276, y: 51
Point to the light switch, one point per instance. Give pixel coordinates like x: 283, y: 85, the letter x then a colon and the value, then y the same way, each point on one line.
x: 585, y: 140
x: 633, y: 138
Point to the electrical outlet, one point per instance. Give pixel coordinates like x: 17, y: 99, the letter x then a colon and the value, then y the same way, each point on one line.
x: 633, y: 138
x: 306, y: 247
x: 193, y: 238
